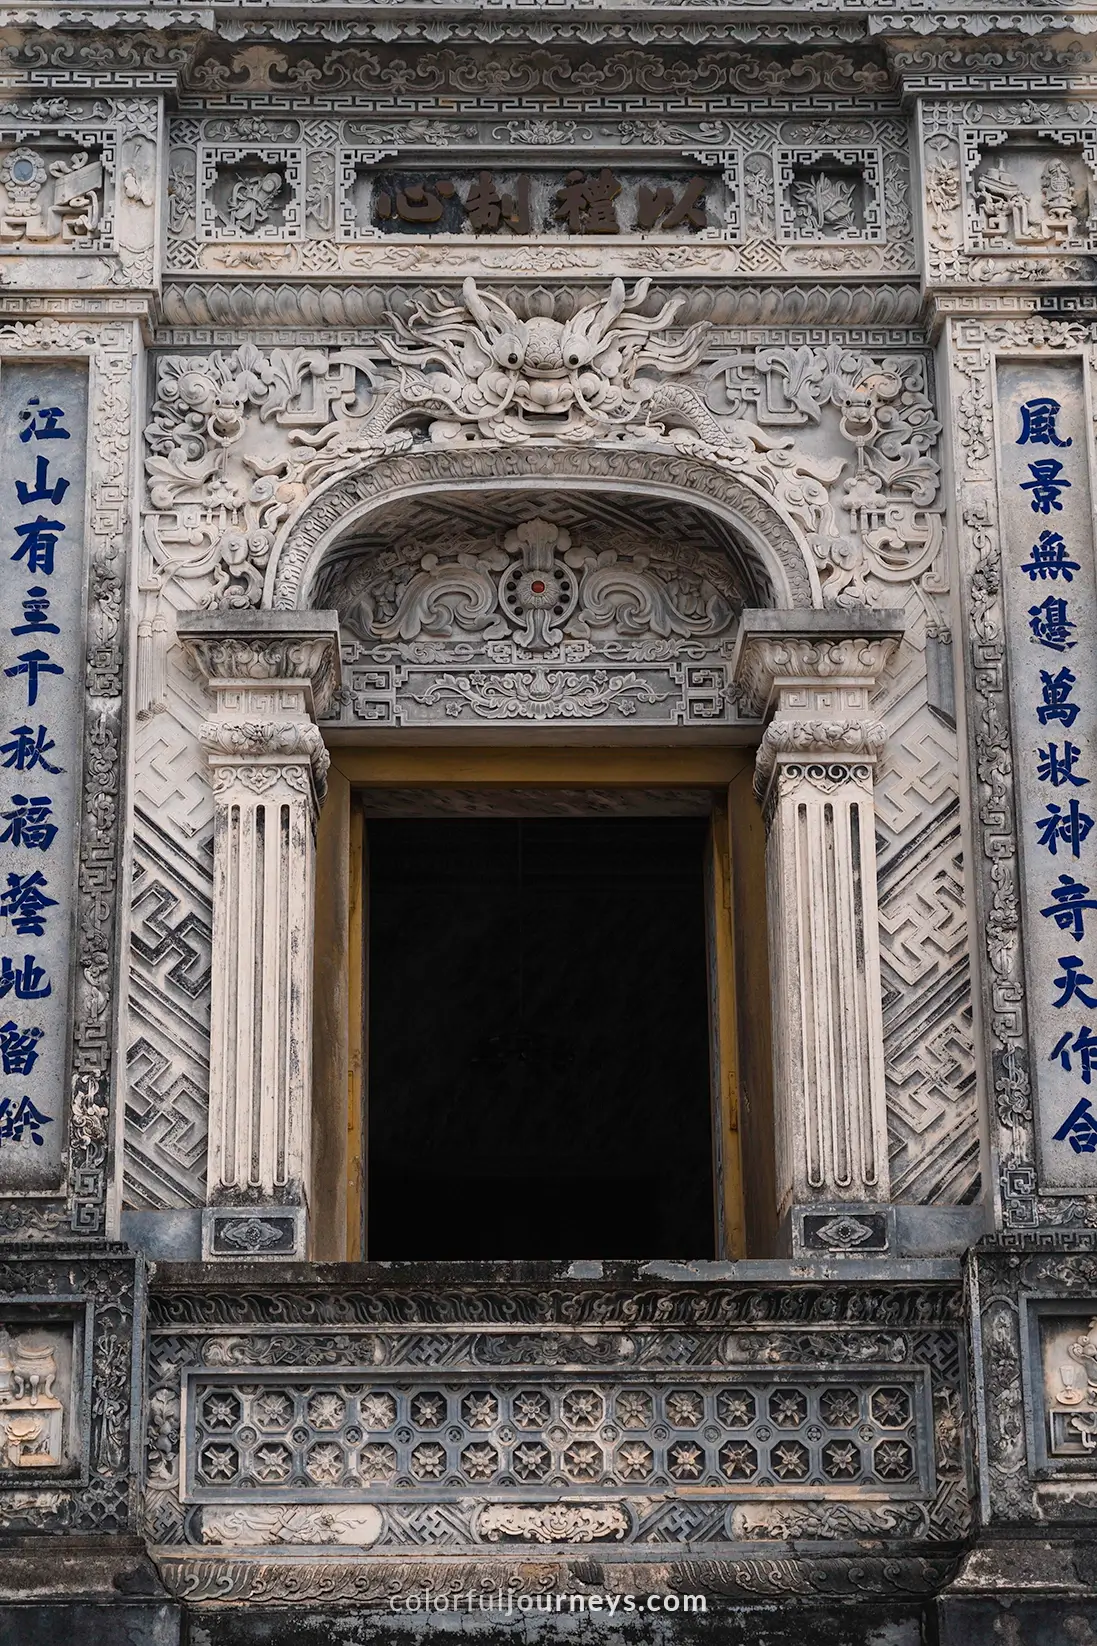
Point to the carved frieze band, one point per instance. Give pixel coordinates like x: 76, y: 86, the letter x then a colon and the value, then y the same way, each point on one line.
x: 549, y: 1423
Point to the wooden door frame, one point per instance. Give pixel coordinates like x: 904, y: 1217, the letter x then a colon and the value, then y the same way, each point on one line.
x: 741, y: 1011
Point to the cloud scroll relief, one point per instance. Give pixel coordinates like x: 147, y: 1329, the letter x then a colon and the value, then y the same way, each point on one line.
x: 534, y: 623
x: 536, y: 589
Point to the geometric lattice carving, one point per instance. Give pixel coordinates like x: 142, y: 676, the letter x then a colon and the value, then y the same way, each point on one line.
x: 166, y: 1122
x: 454, y: 1423
x: 925, y: 973
x: 168, y: 1055
x: 299, y: 1438
x: 924, y: 966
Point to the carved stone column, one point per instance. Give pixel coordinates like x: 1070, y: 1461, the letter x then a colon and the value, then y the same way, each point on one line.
x: 269, y: 674
x: 813, y: 674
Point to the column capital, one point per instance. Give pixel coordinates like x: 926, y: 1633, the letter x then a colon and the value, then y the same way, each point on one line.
x: 270, y: 674
x: 778, y: 652
x: 253, y: 650
x: 814, y: 673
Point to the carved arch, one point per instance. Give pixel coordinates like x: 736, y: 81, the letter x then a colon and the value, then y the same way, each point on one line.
x: 783, y: 556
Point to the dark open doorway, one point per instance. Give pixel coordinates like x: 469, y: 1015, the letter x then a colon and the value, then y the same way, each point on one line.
x: 538, y: 1039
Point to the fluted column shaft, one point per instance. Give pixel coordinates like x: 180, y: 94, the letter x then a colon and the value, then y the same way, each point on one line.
x: 267, y: 769
x: 814, y: 675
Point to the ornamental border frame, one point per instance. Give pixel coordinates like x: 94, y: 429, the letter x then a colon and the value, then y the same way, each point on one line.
x: 340, y: 503
x: 103, y: 1287
x: 975, y: 346
x: 79, y: 1208
x: 212, y: 156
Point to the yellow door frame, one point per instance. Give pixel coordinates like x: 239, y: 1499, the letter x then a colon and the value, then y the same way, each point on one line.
x: 739, y: 991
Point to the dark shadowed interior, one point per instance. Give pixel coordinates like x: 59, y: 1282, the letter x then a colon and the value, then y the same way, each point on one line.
x: 538, y: 1039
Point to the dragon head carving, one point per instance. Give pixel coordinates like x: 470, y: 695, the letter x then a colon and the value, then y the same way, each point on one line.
x: 479, y: 363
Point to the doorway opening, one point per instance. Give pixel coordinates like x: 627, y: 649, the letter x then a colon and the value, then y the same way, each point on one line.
x: 541, y: 1006
x: 538, y: 1038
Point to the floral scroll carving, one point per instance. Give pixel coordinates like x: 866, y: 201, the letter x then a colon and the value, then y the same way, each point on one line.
x: 553, y: 1522
x: 536, y: 588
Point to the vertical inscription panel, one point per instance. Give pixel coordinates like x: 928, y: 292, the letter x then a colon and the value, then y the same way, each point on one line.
x: 43, y: 440
x: 1051, y: 609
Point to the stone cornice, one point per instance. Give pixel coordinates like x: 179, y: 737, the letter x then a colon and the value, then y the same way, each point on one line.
x: 236, y: 304
x: 597, y: 22
x: 233, y: 18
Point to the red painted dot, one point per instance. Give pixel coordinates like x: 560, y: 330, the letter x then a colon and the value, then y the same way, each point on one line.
x: 538, y: 587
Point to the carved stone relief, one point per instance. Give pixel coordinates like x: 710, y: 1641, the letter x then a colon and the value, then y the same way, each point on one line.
x: 240, y: 440
x: 541, y: 620
x: 1032, y: 1297
x: 569, y: 1423
x: 550, y: 1438
x: 699, y: 192
x: 1070, y: 1389
x: 33, y: 1408
x: 67, y: 1399
x: 1010, y: 192
x: 78, y: 183
x: 50, y: 196
x: 832, y: 195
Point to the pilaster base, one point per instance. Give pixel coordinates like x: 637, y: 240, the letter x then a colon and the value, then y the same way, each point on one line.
x: 841, y: 1229
x: 272, y: 1232
x: 76, y: 1589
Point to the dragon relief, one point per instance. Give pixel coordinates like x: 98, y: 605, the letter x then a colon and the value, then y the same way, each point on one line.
x: 238, y: 441
x: 503, y: 378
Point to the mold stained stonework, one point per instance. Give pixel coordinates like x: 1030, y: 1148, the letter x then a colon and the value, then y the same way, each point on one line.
x: 269, y: 674
x: 813, y: 674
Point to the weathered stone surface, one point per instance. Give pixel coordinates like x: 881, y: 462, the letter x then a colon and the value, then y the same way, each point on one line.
x: 563, y: 377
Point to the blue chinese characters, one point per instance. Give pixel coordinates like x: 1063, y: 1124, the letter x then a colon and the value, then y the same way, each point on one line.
x: 1064, y: 826
x: 28, y: 753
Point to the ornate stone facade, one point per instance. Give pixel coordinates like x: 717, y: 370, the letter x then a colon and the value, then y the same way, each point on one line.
x: 601, y: 379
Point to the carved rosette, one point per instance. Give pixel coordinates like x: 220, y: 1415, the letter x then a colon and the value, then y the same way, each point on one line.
x: 268, y: 674
x: 814, y: 674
